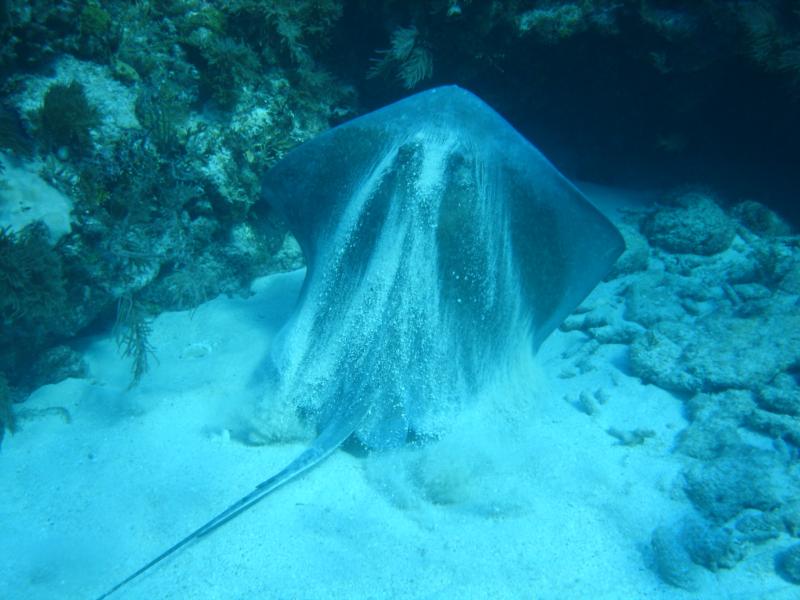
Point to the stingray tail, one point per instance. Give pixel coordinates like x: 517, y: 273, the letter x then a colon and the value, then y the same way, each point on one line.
x: 327, y: 441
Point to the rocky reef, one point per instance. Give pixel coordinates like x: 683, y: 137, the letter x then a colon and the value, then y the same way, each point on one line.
x: 711, y: 312
x: 131, y: 164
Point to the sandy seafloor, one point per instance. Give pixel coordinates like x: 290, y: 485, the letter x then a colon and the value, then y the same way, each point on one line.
x: 529, y: 497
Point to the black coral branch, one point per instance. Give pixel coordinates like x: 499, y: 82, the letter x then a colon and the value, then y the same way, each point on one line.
x: 132, y: 331
x: 408, y: 58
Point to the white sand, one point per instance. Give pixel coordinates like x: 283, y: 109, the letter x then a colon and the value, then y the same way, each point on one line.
x: 528, y: 498
x: 25, y: 198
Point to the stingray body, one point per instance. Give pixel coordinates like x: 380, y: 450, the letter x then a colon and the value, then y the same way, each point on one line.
x: 440, y: 246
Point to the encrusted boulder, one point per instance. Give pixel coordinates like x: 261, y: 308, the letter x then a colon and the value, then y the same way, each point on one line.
x: 719, y: 352
x: 748, y: 478
x: 760, y: 220
x: 636, y: 255
x: 692, y: 224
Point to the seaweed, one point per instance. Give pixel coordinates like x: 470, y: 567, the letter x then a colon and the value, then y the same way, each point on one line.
x: 159, y: 112
x: 98, y: 35
x: 291, y: 31
x: 554, y: 22
x: 34, y: 31
x: 770, y: 36
x: 132, y: 331
x: 94, y: 20
x: 34, y: 303
x: 66, y: 118
x: 12, y: 134
x: 31, y: 277
x: 191, y: 286
x: 7, y: 419
x: 137, y: 180
x: 227, y: 67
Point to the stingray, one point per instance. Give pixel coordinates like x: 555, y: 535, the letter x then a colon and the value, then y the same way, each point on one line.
x: 440, y: 246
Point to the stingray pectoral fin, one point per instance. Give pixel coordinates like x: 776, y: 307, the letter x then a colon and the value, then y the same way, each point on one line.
x: 328, y: 440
